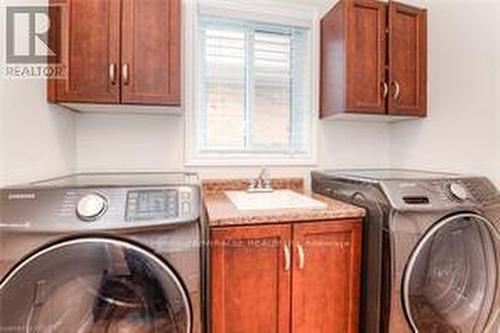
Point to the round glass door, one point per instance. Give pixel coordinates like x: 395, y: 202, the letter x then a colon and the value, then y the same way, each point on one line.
x: 451, y: 278
x: 96, y: 285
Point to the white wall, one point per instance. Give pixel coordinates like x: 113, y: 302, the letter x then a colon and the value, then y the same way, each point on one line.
x: 129, y: 142
x: 461, y: 132
x: 37, y: 140
x: 344, y: 144
x: 156, y: 143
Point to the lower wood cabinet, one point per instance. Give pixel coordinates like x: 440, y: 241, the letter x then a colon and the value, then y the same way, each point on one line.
x: 301, y: 278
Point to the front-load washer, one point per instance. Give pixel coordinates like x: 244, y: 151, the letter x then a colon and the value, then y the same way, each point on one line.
x: 102, y: 253
x: 431, y: 249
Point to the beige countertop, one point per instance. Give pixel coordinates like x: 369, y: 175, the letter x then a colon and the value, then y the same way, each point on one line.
x: 222, y: 212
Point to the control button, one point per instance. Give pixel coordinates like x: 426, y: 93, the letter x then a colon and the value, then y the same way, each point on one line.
x: 91, y: 207
x: 458, y: 192
x: 186, y: 195
x: 186, y: 208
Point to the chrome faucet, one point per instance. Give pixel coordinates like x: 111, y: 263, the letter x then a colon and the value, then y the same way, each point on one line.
x: 262, y: 183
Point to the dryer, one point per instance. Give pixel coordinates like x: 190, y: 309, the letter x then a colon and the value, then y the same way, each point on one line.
x: 431, y: 256
x: 102, y: 253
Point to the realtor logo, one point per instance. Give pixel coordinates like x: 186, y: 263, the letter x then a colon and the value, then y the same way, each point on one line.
x: 29, y: 54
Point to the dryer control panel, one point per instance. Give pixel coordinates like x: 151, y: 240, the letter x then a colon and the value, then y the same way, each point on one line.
x: 433, y: 194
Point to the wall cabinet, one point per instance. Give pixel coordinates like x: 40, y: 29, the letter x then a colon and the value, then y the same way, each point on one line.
x: 298, y: 278
x: 373, y: 60
x: 118, y: 52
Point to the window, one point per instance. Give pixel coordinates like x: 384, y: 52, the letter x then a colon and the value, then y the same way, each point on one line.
x: 253, y: 88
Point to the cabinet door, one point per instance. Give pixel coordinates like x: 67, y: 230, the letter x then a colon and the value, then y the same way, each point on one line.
x: 326, y: 277
x: 366, y: 56
x: 333, y: 60
x: 250, y: 282
x: 91, y: 50
x: 151, y: 52
x: 407, y: 60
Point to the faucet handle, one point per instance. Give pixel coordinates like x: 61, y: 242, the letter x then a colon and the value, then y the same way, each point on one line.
x: 252, y: 183
x: 260, y: 184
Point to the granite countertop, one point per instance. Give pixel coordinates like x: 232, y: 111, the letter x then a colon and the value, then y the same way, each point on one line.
x: 222, y: 212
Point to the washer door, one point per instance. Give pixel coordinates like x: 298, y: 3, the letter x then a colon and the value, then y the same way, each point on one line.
x: 451, y: 278
x: 93, y: 285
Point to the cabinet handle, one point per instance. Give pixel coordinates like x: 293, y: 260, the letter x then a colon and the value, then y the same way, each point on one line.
x: 125, y: 74
x: 288, y: 257
x: 301, y: 256
x: 385, y: 87
x: 397, y: 92
x: 112, y: 73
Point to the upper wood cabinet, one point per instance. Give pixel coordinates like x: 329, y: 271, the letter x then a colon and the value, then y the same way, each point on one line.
x: 264, y: 278
x: 118, y: 52
x: 373, y: 59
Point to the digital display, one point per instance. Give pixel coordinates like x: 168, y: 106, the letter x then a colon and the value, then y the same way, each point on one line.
x: 152, y: 205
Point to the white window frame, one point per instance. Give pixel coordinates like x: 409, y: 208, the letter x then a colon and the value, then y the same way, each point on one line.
x: 248, y: 10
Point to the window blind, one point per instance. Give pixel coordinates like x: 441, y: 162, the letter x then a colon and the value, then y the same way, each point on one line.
x: 254, y: 87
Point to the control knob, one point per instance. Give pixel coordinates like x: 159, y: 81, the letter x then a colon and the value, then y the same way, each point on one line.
x: 458, y: 192
x: 91, y: 207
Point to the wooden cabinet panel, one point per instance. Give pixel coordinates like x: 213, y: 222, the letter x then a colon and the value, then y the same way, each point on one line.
x: 353, y: 56
x: 326, y: 277
x: 118, y: 51
x: 151, y: 52
x: 407, y: 60
x: 373, y: 60
x: 366, y: 54
x: 90, y: 47
x: 250, y: 287
x: 333, y: 57
x: 259, y: 284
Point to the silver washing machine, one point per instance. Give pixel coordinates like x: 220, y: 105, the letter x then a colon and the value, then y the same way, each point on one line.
x: 102, y: 253
x: 431, y: 249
